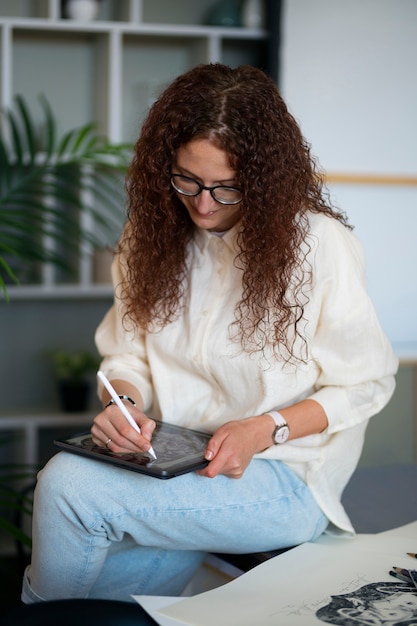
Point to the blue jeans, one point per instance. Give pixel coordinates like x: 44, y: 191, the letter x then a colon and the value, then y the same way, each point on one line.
x: 104, y: 532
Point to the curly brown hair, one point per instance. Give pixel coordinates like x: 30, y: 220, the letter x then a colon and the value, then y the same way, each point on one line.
x: 241, y: 111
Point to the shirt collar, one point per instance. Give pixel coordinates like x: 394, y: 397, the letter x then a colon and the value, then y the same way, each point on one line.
x: 202, y: 238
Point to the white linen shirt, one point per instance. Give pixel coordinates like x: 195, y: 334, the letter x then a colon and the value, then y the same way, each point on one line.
x: 191, y: 373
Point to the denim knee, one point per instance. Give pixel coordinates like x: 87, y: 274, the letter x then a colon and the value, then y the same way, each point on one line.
x: 57, y: 474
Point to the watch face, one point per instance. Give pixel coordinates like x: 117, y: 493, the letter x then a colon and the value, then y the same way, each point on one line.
x: 281, y: 434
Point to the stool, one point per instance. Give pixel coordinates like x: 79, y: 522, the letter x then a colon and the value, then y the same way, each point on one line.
x: 245, y: 562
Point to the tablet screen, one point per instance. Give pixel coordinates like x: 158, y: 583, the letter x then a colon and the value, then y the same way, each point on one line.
x: 178, y: 450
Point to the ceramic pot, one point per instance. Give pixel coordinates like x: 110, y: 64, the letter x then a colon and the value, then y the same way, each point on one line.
x: 81, y: 10
x: 253, y: 14
x: 73, y: 396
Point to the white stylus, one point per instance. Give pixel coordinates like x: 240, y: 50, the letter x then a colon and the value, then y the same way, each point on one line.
x: 122, y: 407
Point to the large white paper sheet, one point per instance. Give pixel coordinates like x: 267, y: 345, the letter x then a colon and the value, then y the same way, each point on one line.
x: 348, y: 580
x: 153, y: 604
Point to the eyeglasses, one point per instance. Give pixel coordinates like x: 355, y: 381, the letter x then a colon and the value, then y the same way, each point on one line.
x: 220, y: 193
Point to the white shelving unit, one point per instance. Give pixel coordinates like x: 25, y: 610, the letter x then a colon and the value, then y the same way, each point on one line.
x: 26, y: 433
x: 26, y: 430
x: 108, y: 70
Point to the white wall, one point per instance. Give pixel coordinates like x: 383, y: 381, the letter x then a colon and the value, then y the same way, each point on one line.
x: 349, y: 78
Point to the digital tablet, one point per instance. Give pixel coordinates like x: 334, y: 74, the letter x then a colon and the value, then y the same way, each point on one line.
x: 179, y: 450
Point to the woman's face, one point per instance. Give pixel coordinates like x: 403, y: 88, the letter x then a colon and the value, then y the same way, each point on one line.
x: 201, y: 160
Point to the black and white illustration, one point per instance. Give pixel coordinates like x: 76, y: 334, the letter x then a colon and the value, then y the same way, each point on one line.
x: 375, y: 604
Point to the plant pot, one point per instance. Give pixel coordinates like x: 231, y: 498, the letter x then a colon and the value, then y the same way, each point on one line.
x: 73, y: 396
x: 81, y: 10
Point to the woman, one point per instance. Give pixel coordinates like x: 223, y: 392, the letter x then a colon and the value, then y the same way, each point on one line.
x: 240, y: 309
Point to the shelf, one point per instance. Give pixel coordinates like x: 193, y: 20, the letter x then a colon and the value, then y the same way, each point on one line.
x: 113, y: 68
x: 60, y: 292
x: 176, y: 30
x: 186, y: 12
x: 31, y: 425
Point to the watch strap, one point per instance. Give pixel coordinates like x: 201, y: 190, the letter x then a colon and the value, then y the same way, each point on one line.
x: 278, y: 418
x: 281, y: 431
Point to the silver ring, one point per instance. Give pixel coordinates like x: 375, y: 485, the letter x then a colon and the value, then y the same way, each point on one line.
x: 107, y: 442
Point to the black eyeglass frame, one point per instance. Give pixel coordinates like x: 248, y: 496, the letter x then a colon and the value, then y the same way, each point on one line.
x: 203, y: 187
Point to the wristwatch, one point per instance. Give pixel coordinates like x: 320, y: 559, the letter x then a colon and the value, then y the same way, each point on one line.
x: 282, y: 430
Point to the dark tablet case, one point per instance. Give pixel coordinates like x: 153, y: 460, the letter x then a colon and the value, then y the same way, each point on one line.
x: 179, y: 450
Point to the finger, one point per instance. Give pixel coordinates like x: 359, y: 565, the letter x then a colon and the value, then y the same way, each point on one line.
x: 212, y: 448
x: 119, y: 438
x: 218, y: 461
x: 132, y: 443
x: 101, y: 437
x: 139, y: 439
x: 147, y: 428
x: 225, y: 457
x: 215, y: 468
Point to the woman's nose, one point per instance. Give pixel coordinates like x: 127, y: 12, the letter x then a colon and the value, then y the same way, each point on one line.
x: 204, y: 199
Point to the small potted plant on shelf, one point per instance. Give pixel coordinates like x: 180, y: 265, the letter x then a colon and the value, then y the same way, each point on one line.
x: 73, y: 372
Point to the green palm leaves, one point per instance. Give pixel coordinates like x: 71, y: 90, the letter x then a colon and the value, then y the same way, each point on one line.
x: 55, y: 193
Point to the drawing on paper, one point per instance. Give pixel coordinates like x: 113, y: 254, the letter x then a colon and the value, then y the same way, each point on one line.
x: 374, y: 604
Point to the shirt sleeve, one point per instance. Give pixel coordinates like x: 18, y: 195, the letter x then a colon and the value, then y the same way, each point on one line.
x: 355, y: 359
x: 123, y: 345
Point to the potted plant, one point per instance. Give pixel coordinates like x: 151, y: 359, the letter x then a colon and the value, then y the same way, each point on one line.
x: 73, y: 372
x: 43, y: 189
x: 46, y: 182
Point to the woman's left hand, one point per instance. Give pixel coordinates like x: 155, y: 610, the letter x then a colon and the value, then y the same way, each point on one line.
x: 231, y: 448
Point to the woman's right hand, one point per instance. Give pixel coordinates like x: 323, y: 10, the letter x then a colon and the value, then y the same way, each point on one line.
x: 112, y: 430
